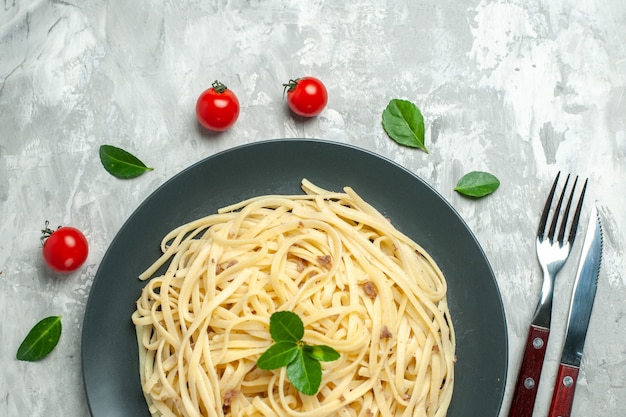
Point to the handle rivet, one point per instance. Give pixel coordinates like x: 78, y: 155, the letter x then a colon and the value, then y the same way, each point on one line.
x: 529, y: 383
x: 568, y: 381
x: 537, y: 343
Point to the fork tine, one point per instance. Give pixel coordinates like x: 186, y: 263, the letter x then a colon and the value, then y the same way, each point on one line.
x: 572, y: 230
x: 566, y: 213
x: 557, y: 210
x: 546, y: 209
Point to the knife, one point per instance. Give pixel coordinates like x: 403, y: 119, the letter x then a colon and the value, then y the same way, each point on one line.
x: 578, y: 321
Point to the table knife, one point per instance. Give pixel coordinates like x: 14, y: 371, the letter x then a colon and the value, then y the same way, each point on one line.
x: 578, y: 321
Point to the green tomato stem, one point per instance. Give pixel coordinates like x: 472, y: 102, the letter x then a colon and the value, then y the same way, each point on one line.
x: 46, y: 232
x: 290, y: 86
x: 219, y: 87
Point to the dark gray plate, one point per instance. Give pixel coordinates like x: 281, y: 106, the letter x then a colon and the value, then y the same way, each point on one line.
x: 109, y: 351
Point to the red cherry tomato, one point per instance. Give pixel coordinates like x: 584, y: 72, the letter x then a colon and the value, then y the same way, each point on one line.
x: 217, y: 108
x: 306, y: 96
x: 64, y: 249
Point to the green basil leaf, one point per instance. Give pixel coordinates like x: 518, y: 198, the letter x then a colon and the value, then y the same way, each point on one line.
x: 477, y: 184
x: 286, y: 326
x: 404, y: 123
x: 321, y: 353
x: 41, y: 340
x: 278, y: 355
x: 305, y: 374
x: 120, y: 163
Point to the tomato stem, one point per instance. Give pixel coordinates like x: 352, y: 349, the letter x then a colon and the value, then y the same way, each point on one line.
x: 46, y: 232
x: 290, y: 86
x: 219, y: 87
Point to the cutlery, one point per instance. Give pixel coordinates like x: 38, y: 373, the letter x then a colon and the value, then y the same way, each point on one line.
x: 578, y: 320
x: 552, y: 251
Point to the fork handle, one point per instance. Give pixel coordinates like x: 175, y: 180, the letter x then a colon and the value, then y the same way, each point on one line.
x: 530, y: 371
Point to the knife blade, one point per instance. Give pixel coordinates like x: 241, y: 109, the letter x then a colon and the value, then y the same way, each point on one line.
x: 578, y: 321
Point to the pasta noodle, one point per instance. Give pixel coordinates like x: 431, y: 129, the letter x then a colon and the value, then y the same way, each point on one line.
x: 359, y: 285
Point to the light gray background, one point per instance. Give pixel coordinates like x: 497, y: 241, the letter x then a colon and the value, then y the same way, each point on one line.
x: 520, y: 88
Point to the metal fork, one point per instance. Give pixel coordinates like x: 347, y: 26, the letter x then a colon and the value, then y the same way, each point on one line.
x: 552, y: 251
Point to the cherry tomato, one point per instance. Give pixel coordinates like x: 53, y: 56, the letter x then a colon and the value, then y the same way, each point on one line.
x: 217, y: 108
x: 64, y: 249
x: 306, y: 96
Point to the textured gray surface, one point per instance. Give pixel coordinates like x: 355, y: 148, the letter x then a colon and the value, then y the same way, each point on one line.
x: 518, y: 88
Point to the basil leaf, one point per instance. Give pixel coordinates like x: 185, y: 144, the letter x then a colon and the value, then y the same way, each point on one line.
x: 321, y: 353
x: 41, y: 340
x: 303, y: 361
x: 120, y: 163
x: 404, y: 123
x: 305, y: 373
x: 477, y: 184
x: 278, y: 355
x: 286, y: 326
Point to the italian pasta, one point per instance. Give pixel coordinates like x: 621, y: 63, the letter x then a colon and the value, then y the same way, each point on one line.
x: 359, y: 285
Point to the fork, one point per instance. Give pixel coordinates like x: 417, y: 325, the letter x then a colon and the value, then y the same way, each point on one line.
x: 552, y: 251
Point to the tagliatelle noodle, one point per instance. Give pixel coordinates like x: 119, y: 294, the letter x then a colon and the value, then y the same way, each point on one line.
x: 359, y: 285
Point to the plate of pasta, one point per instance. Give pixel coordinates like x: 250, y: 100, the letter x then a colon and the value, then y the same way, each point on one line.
x: 374, y: 261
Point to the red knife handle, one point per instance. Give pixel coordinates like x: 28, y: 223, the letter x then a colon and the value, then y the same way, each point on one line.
x: 530, y: 371
x: 564, y: 388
